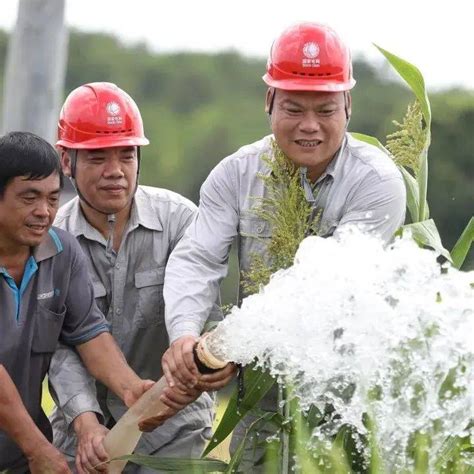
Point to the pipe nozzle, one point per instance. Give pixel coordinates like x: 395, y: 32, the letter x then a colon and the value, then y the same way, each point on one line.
x: 205, y: 359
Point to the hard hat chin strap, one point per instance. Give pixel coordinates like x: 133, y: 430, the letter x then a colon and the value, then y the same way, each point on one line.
x: 346, y: 107
x: 272, y: 101
x: 73, y: 158
x: 109, y: 247
x: 111, y: 218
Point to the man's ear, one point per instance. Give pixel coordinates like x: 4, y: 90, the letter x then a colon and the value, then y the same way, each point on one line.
x: 65, y: 161
x: 269, y: 99
x: 348, y: 104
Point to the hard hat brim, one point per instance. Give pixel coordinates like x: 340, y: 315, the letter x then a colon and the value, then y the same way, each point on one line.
x: 308, y: 84
x: 104, y: 142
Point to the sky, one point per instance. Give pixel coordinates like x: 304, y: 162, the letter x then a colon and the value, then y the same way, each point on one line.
x: 435, y: 36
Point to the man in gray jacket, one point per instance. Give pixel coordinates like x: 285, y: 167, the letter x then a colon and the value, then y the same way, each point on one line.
x: 127, y: 232
x: 347, y: 182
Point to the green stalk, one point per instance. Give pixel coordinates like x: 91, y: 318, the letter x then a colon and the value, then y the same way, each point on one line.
x: 284, y: 410
x: 422, y: 179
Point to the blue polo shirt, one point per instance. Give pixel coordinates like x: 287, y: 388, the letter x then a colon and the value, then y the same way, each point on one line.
x: 54, y: 302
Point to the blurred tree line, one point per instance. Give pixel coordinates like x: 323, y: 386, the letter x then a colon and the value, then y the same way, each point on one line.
x: 199, y: 108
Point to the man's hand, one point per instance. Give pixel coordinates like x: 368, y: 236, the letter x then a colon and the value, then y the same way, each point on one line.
x: 46, y: 459
x: 90, y: 449
x: 175, y: 399
x: 216, y: 380
x: 135, y: 391
x: 178, y: 364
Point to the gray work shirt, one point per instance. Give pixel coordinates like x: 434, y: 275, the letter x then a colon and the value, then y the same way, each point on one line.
x: 55, y: 302
x: 361, y: 185
x: 129, y: 291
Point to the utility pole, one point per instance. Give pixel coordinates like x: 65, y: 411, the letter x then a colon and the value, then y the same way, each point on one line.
x: 35, y: 68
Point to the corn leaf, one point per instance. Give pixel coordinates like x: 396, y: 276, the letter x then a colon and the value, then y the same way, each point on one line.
x: 455, y: 455
x: 188, y: 466
x: 411, y: 185
x: 463, y: 245
x: 237, y: 457
x: 257, y: 383
x: 426, y: 234
x: 413, y: 77
x: 370, y: 140
x: 413, y: 194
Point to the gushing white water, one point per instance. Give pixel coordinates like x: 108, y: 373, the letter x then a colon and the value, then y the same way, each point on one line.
x: 367, y: 329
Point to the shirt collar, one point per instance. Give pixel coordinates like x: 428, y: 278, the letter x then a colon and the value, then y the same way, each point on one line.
x: 332, y: 169
x: 142, y: 213
x: 78, y: 224
x: 335, y: 164
x: 268, y: 152
x: 49, y: 247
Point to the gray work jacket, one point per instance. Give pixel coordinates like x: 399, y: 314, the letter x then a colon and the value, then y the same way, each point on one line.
x: 129, y: 291
x: 361, y: 185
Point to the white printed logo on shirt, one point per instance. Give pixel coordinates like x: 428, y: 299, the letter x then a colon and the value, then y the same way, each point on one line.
x: 49, y: 294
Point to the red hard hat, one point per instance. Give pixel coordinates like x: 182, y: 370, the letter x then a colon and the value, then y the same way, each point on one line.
x: 309, y: 57
x: 100, y: 115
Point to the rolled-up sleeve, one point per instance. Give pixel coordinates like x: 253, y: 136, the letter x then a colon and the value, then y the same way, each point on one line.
x: 199, y: 261
x: 83, y: 320
x: 73, y: 388
x: 377, y: 206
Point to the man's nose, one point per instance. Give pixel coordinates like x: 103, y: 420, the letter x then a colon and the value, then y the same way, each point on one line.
x: 309, y: 123
x: 113, y: 169
x: 42, y: 208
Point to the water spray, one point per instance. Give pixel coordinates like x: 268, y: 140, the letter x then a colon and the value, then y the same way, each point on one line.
x: 354, y: 313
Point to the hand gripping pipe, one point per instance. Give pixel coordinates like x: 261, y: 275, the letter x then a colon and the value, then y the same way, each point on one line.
x: 122, y: 439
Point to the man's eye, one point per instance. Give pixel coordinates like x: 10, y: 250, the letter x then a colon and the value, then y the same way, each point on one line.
x: 326, y: 111
x: 293, y: 111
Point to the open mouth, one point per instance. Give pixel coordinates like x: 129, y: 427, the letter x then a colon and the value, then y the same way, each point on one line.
x: 37, y: 228
x: 308, y: 143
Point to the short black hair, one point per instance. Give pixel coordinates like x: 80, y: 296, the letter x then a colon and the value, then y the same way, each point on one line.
x: 27, y: 154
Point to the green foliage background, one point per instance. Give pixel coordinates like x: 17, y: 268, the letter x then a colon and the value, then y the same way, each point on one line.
x: 198, y: 108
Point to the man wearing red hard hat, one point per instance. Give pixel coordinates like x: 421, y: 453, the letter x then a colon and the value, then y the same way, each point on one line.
x: 127, y: 231
x: 346, y: 181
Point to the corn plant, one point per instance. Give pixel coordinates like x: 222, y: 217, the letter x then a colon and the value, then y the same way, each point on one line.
x: 408, y: 147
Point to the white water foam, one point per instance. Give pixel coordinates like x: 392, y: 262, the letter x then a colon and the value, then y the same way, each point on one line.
x: 386, y: 324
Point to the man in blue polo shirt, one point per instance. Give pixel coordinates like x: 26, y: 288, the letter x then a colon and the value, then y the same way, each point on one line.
x: 45, y: 297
